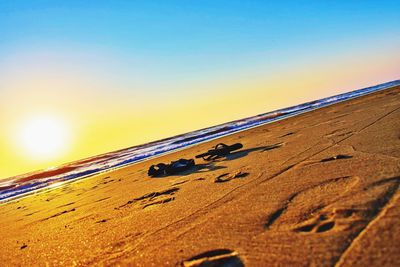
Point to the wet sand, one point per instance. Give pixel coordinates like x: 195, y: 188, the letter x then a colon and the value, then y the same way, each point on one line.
x: 319, y: 189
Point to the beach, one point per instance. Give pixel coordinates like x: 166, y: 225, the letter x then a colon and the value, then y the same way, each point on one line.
x: 317, y: 189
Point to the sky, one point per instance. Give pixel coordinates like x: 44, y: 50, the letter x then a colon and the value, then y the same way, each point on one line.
x: 80, y: 78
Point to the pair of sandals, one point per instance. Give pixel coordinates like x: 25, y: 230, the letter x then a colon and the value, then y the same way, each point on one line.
x: 181, y: 165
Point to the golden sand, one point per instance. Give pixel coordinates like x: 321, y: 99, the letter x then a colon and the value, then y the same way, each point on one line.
x: 319, y: 189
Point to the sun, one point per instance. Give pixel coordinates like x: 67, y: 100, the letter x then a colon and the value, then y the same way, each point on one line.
x: 43, y: 137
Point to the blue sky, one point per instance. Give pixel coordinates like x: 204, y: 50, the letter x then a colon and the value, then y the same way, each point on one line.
x: 193, y: 30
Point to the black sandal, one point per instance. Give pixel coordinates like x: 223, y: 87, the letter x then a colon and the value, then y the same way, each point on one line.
x: 157, y: 170
x: 179, y: 166
x: 219, y: 151
x: 174, y: 167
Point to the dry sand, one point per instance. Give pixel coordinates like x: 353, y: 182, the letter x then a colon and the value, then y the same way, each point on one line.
x: 319, y: 189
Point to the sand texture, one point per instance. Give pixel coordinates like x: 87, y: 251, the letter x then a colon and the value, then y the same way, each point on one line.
x: 318, y: 189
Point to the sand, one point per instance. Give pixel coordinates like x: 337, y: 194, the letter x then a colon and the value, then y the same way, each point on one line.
x: 319, y: 189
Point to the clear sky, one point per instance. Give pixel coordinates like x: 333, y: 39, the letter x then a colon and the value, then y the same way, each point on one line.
x: 79, y: 78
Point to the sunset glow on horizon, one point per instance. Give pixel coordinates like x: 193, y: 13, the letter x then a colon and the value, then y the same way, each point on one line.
x: 80, y: 79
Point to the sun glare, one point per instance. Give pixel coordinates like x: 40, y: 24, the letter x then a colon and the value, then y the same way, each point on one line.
x: 43, y: 137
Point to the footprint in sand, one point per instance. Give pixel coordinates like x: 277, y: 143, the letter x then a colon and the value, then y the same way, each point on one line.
x: 102, y: 199
x: 59, y: 214
x: 333, y: 158
x: 214, y: 258
x: 107, y: 181
x: 153, y: 198
x: 65, y: 205
x: 337, y: 204
x: 341, y: 116
x: 180, y: 182
x: 339, y: 133
x: 325, y: 221
x: 290, y: 133
x: 225, y: 177
x: 308, y: 201
x: 337, y: 157
x: 30, y: 214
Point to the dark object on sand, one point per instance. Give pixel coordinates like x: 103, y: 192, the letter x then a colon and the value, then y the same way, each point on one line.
x: 219, y: 150
x: 217, y: 257
x: 340, y: 156
x: 167, y: 169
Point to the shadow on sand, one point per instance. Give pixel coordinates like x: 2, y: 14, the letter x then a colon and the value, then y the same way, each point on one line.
x: 245, y: 152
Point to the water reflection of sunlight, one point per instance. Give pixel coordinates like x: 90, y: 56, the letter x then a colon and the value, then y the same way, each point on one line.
x: 56, y: 185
